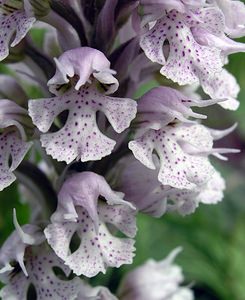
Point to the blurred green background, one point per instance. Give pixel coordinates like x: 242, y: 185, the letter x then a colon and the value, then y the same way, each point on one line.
x: 213, y: 237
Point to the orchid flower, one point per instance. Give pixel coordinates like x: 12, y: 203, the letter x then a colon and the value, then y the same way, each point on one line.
x: 196, y: 48
x: 156, y: 280
x: 80, y: 137
x: 16, y: 18
x: 81, y: 210
x: 144, y: 191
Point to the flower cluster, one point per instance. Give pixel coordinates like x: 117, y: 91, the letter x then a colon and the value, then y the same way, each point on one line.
x: 98, y: 157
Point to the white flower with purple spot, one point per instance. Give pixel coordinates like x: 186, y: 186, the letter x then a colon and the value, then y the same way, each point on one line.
x: 142, y: 188
x: 80, y: 137
x: 40, y: 264
x: 187, y: 61
x: 183, y: 151
x: 16, y: 19
x: 81, y: 210
x: 192, y: 47
x: 163, y: 105
x: 182, y: 145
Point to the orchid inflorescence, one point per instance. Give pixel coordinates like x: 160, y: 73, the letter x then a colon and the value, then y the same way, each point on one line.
x: 96, y: 156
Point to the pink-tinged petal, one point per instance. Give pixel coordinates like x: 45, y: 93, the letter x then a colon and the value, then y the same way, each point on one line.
x: 222, y: 85
x: 155, y: 280
x: 155, y: 9
x: 111, y: 133
x: 142, y: 149
x: 83, y: 62
x: 108, y: 80
x: 181, y: 150
x: 210, y: 18
x: 162, y: 105
x: 10, y: 108
x: 120, y: 216
x: 96, y: 251
x: 83, y: 189
x: 80, y: 137
x: 166, y: 4
x: 188, y: 61
x: 12, y: 140
x: 17, y: 23
x: 80, y: 211
x: 183, y: 201
x: 152, y: 44
x: 11, y: 146
x: 51, y: 42
x: 234, y: 12
x: 174, y: 4
x: 223, y: 43
x: 140, y: 186
x: 40, y: 263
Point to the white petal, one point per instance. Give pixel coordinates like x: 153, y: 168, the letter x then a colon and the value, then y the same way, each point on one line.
x: 177, y: 148
x: 80, y: 138
x: 188, y: 62
x: 222, y: 85
x: 17, y: 22
x: 39, y: 265
x: 96, y: 251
